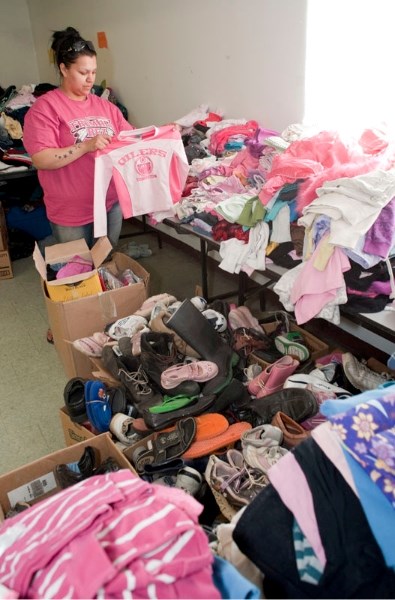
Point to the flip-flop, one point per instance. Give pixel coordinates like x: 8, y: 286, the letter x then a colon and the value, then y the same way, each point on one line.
x: 199, y: 405
x: 205, y: 447
x: 170, y: 403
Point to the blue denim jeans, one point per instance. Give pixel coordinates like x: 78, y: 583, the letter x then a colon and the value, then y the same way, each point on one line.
x: 64, y: 234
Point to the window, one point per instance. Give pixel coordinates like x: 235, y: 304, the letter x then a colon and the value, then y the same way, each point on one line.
x: 350, y: 58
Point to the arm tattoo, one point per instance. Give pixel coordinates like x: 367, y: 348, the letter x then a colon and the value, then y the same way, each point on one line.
x: 70, y: 151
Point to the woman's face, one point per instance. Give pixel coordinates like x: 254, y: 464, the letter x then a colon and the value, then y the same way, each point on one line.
x: 79, y: 78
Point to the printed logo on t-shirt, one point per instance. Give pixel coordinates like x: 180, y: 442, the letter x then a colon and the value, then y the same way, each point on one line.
x: 86, y: 128
x: 144, y: 165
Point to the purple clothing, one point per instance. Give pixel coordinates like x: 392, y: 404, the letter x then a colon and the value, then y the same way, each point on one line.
x: 381, y: 236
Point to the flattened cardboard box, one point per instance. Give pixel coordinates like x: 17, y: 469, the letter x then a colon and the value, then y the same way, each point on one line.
x: 36, y: 481
x: 83, y: 317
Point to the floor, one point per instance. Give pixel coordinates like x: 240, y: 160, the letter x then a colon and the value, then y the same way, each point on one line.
x: 32, y: 377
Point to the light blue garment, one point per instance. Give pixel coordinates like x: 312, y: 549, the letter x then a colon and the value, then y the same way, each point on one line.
x: 333, y: 407
x: 230, y: 582
x: 378, y: 511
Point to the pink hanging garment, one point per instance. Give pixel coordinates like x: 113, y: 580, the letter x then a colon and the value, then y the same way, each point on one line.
x: 149, y: 168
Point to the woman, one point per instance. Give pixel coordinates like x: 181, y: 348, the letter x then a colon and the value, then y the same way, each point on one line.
x: 62, y: 131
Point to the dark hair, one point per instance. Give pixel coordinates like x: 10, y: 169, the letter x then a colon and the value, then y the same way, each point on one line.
x: 68, y: 45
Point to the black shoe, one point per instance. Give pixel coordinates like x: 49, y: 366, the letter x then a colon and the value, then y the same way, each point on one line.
x: 74, y: 400
x: 109, y: 465
x: 66, y: 476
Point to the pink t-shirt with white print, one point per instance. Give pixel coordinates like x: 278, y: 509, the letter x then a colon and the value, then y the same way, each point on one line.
x: 57, y: 121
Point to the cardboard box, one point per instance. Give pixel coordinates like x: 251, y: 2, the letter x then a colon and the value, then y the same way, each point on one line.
x: 315, y: 346
x: 75, y: 286
x: 3, y: 230
x: 74, y: 433
x: 36, y: 481
x: 5, y: 265
x: 82, y: 317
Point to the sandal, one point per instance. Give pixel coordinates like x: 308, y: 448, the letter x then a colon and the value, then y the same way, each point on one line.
x: 199, y: 405
x: 202, y: 370
x: 159, y: 448
x: 170, y: 403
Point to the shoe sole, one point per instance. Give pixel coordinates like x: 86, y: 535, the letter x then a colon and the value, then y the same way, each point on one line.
x: 290, y: 348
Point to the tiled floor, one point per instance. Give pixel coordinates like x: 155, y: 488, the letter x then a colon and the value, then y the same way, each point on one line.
x: 32, y: 377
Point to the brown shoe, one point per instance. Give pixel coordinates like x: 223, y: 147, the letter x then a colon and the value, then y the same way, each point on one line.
x: 293, y: 433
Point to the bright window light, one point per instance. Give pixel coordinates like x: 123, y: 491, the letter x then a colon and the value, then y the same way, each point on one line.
x: 350, y: 50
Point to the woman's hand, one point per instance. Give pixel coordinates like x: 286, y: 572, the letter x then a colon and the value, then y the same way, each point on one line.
x: 99, y: 142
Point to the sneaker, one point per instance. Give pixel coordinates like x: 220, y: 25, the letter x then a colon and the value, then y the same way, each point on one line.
x: 263, y: 436
x: 216, y: 319
x: 360, y: 375
x: 263, y: 458
x: 303, y: 380
x: 126, y: 326
x: 121, y: 426
x: 233, y: 484
x: 252, y: 371
x: 189, y: 480
x: 290, y: 344
x: 148, y: 304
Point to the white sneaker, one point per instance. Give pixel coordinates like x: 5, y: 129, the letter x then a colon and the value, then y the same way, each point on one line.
x: 360, y: 375
x: 263, y: 458
x: 302, y: 380
x: 126, y: 327
x: 121, y: 426
x: 189, y: 480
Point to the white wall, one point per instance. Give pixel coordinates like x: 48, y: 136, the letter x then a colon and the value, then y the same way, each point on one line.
x: 165, y: 57
x: 17, y: 53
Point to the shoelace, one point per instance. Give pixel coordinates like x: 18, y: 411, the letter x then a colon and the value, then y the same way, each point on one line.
x: 139, y: 378
x: 243, y: 480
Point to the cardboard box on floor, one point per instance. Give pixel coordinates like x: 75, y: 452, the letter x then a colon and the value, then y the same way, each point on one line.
x: 5, y: 265
x: 74, y: 433
x: 84, y: 316
x: 3, y: 230
x: 35, y: 481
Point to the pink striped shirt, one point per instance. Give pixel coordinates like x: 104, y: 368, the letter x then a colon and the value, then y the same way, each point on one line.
x: 110, y: 536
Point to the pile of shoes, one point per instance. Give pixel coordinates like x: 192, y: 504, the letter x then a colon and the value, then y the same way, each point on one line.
x: 189, y: 407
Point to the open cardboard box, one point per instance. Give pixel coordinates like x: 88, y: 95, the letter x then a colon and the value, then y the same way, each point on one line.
x: 74, y: 433
x: 35, y: 481
x: 75, y: 286
x: 74, y: 319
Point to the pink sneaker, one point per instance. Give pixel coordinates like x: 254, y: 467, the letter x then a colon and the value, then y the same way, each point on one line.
x: 273, y: 377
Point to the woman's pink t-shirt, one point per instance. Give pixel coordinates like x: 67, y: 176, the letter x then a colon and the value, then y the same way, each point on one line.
x: 57, y: 121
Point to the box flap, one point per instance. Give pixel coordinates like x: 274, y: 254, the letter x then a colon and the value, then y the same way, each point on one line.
x: 61, y: 252
x: 39, y: 262
x: 101, y: 250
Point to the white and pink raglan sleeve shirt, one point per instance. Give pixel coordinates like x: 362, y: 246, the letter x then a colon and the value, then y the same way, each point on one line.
x: 149, y: 168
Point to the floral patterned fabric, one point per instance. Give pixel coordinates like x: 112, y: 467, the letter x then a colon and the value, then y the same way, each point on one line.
x: 367, y: 432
